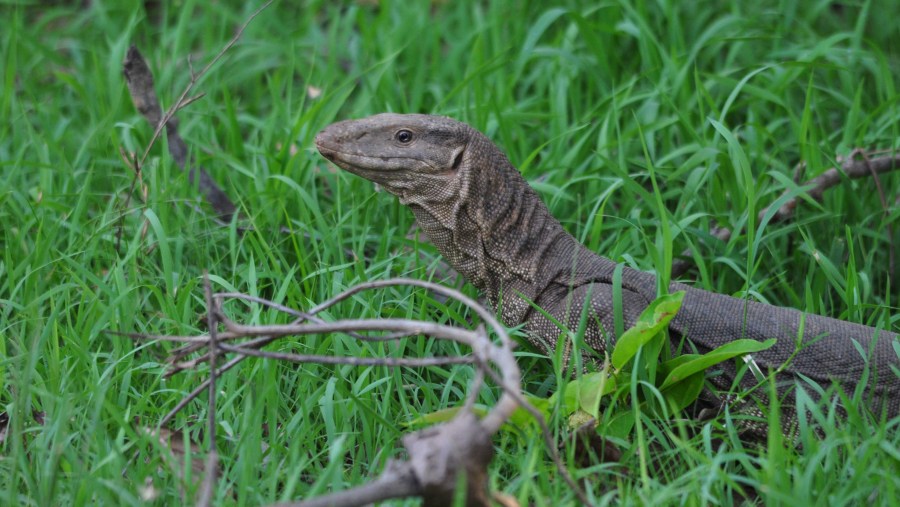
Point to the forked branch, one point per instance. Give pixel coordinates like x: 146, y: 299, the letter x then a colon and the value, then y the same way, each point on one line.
x: 438, y: 456
x: 859, y: 164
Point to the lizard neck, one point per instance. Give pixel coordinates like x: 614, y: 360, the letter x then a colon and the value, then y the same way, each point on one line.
x: 499, y: 234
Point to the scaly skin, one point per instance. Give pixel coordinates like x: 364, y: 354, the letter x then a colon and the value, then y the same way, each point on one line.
x: 493, y: 228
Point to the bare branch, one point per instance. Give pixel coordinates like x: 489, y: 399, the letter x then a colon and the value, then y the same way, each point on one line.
x: 438, y: 454
x: 197, y: 343
x: 396, y: 481
x: 354, y: 361
x: 210, y: 470
x: 139, y: 79
x: 483, y: 313
x: 146, y: 82
x: 212, y: 460
x: 851, y: 167
x: 520, y: 400
x: 140, y: 85
x: 408, y: 327
x: 197, y: 392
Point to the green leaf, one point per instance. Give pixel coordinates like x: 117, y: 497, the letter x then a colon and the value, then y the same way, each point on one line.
x: 584, y: 393
x: 652, y: 320
x: 520, y: 417
x: 619, y: 425
x: 523, y: 419
x: 588, y: 390
x: 680, y: 369
x: 440, y: 416
x: 682, y: 394
x: 667, y: 367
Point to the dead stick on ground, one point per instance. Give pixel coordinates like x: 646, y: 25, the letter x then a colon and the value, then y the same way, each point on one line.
x: 139, y: 79
x: 461, y: 445
x: 212, y: 460
x: 152, y: 113
x: 140, y: 85
x: 852, y: 168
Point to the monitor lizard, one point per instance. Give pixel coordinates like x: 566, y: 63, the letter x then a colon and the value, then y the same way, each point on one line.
x: 494, y: 229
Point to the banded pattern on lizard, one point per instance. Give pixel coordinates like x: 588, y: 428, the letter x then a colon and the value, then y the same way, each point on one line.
x: 493, y: 228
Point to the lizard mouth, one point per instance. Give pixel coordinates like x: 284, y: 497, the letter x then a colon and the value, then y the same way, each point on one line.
x: 357, y: 163
x: 343, y: 149
x: 354, y: 162
x: 363, y: 165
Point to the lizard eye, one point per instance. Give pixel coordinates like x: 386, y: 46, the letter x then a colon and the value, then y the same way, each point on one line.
x: 404, y: 136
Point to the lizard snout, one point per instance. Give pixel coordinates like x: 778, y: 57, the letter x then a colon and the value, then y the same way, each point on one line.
x: 327, y: 143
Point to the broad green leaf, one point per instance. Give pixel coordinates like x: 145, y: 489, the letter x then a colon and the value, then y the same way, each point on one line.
x: 520, y: 417
x: 584, y: 393
x: 523, y: 419
x: 685, y: 368
x: 619, y: 425
x: 682, y: 394
x: 589, y: 389
x: 652, y: 320
x: 671, y: 364
x: 440, y: 416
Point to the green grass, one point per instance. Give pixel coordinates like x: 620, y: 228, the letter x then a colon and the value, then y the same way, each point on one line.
x: 716, y: 102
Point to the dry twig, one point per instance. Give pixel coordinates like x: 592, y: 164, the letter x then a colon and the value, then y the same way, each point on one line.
x: 437, y: 455
x: 858, y: 165
x: 851, y: 167
x: 140, y: 85
x: 212, y: 458
x: 139, y: 79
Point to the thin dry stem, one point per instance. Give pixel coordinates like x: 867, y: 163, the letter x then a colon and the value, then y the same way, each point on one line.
x: 354, y: 361
x: 858, y: 165
x: 180, y: 103
x: 447, y: 443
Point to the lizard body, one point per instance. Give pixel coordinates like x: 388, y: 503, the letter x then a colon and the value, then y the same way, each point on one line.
x: 493, y: 228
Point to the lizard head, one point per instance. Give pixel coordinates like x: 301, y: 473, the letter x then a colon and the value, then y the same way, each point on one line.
x: 405, y: 153
x: 467, y: 197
